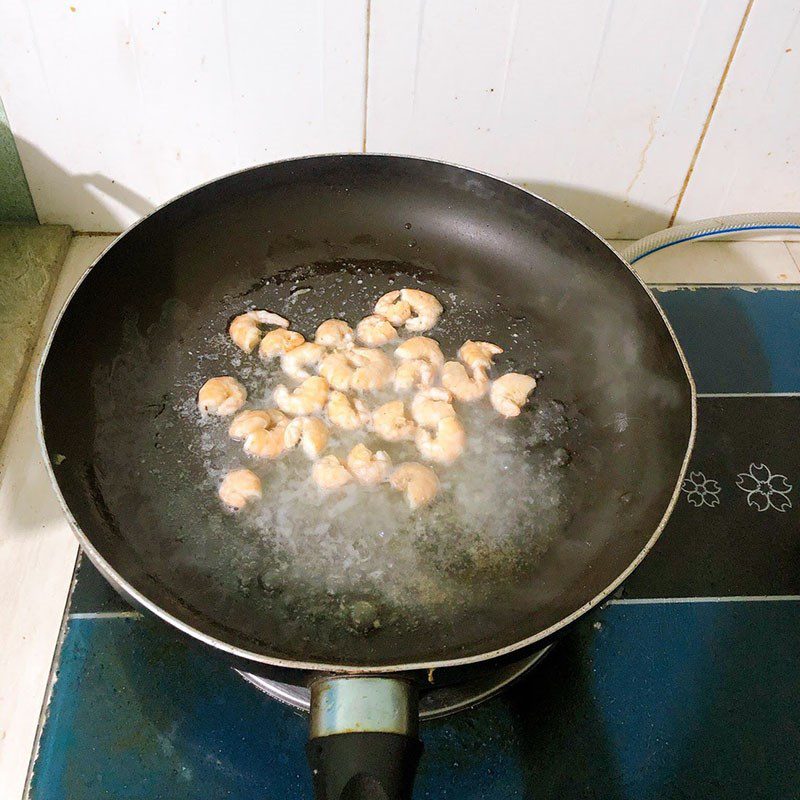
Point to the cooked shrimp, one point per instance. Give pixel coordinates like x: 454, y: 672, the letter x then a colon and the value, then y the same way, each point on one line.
x: 246, y: 422
x: 239, y: 487
x: 421, y: 347
x: 337, y: 370
x: 413, y: 374
x: 418, y: 482
x: 330, y: 473
x: 279, y: 341
x: 457, y: 380
x: 308, y: 398
x: 294, y: 362
x: 367, y: 467
x: 373, y: 369
x: 344, y: 414
x: 245, y: 330
x: 391, y: 423
x: 334, y: 333
x: 479, y: 356
x: 446, y: 445
x: 311, y: 431
x: 393, y: 308
x: 221, y: 396
x: 426, y: 309
x: 266, y: 442
x: 431, y: 405
x: 375, y: 331
x: 510, y: 392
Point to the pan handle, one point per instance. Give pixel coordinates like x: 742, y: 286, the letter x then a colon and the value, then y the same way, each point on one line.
x: 363, y: 742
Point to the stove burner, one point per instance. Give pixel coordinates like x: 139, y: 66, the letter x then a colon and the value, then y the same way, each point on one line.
x: 437, y: 703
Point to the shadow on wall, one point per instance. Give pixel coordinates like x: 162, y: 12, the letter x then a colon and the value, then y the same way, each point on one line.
x: 612, y: 217
x: 100, y: 203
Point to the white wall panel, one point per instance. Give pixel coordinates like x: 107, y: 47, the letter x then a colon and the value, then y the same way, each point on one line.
x: 118, y: 105
x: 597, y: 105
x: 750, y: 158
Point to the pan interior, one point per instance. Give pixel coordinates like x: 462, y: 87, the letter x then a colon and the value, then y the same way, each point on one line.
x: 545, y: 511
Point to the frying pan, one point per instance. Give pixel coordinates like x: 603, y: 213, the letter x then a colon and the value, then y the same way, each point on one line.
x: 615, y: 410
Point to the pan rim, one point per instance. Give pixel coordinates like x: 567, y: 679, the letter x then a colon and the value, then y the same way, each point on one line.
x: 122, y: 585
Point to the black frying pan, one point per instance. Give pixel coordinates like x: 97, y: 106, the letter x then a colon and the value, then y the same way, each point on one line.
x: 323, y: 236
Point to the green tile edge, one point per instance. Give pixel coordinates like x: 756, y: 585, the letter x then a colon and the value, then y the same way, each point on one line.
x: 16, y: 203
x: 30, y: 260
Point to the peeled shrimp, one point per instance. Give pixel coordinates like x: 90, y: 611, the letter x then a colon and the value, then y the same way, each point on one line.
x: 344, y: 414
x: 245, y: 330
x: 431, y: 405
x: 312, y: 432
x: 330, y: 473
x: 446, y: 445
x: 393, y: 308
x: 221, y: 396
x: 510, y: 392
x: 334, y: 333
x: 337, y: 370
x: 308, y: 398
x: 421, y: 347
x: 294, y: 362
x: 279, y: 341
x: 375, y: 331
x: 457, y: 380
x: 391, y: 423
x: 479, y: 356
x: 367, y: 467
x: 266, y: 442
x: 246, y: 422
x: 373, y: 369
x: 239, y: 487
x: 425, y: 308
x: 414, y: 374
x: 418, y: 482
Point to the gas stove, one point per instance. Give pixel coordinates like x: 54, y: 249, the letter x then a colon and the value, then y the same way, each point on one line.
x: 685, y: 684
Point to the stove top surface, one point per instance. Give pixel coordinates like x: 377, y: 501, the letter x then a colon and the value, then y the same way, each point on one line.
x: 686, y: 684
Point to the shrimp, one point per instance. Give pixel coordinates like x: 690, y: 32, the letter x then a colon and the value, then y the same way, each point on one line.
x: 431, y: 405
x: 413, y: 374
x: 246, y: 422
x: 330, y: 473
x: 426, y: 309
x: 344, y: 414
x: 308, y: 398
x: 245, y: 331
x: 456, y: 380
x: 311, y: 431
x: 279, y: 341
x: 239, y: 487
x: 479, y: 356
x: 266, y: 442
x: 334, y: 333
x: 446, y: 445
x: 421, y: 347
x: 373, y: 369
x: 396, y: 310
x: 417, y: 481
x: 367, y: 467
x: 510, y: 392
x: 391, y: 423
x: 375, y: 331
x: 296, y: 360
x: 221, y: 396
x: 337, y: 370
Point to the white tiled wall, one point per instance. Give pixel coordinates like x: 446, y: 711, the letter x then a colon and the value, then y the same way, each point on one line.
x: 600, y: 105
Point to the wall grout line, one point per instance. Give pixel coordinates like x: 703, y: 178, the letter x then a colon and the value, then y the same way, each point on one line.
x: 366, y: 79
x: 711, y: 110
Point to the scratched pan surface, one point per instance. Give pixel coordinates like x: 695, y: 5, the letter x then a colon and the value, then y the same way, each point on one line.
x: 611, y: 421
